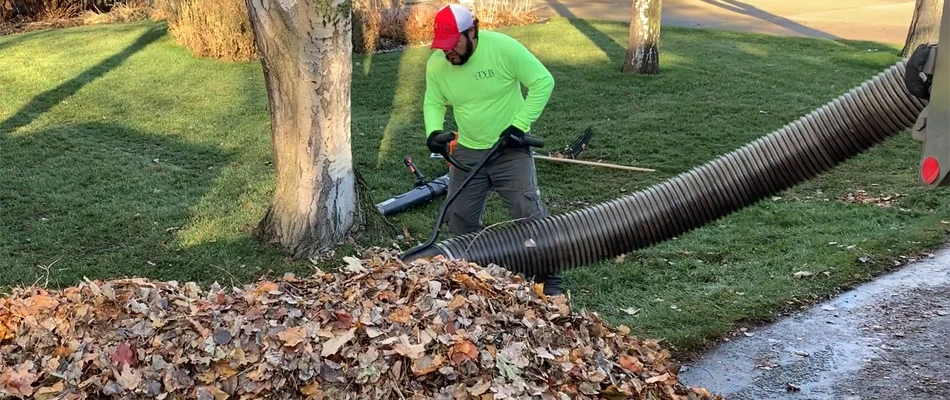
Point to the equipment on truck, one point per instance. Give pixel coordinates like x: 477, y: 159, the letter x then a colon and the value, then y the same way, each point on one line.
x: 913, y: 93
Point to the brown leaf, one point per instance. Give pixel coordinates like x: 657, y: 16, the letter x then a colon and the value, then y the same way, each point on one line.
x: 631, y: 364
x: 311, y: 389
x: 401, y: 315
x: 211, y: 393
x: 463, y: 351
x: 264, y: 289
x: 19, y: 380
x: 457, y: 302
x: 334, y: 344
x: 387, y: 296
x: 129, y: 379
x: 479, y: 387
x: 412, y: 351
x: 660, y: 378
x: 426, y: 365
x: 292, y: 336
x: 49, y: 392
x: 40, y: 303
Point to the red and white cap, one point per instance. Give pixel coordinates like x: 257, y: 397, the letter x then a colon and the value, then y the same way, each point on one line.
x: 450, y: 21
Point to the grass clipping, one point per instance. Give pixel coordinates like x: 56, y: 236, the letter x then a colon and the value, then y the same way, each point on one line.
x: 377, y: 329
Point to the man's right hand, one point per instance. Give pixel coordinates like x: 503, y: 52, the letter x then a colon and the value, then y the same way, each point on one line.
x: 434, y: 145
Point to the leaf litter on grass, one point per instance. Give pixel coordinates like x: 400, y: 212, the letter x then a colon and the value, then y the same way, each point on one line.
x: 378, y: 329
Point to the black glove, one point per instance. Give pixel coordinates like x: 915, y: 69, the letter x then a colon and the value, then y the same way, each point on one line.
x: 513, y: 137
x: 434, y: 145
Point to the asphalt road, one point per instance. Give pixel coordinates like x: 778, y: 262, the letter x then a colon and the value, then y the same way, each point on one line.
x: 884, y: 340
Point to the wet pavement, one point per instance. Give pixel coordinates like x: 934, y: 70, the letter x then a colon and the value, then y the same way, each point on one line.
x: 887, y: 339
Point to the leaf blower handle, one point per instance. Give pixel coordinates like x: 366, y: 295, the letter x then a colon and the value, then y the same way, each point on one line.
x: 438, y: 143
x: 533, y: 141
x: 514, y: 137
x: 420, y: 179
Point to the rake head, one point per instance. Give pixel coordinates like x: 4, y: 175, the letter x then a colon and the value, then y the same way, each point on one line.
x: 575, y: 148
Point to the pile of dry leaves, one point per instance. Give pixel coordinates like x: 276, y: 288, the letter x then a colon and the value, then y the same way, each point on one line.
x: 378, y: 329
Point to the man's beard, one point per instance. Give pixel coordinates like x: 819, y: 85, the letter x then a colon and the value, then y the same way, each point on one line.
x: 465, y: 56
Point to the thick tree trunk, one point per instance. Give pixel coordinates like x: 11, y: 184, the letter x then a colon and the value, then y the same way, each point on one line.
x: 306, y: 56
x: 924, y: 26
x: 643, y: 55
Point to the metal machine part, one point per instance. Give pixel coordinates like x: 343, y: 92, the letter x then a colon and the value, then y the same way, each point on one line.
x: 933, y: 124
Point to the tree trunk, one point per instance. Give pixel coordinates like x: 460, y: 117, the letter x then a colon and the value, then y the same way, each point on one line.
x: 306, y: 57
x: 924, y: 26
x: 643, y: 55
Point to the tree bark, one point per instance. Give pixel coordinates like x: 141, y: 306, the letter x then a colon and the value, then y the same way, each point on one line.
x: 643, y: 55
x: 306, y: 54
x: 924, y: 26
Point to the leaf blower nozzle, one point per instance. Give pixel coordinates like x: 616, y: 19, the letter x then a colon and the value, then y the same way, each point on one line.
x: 418, y: 196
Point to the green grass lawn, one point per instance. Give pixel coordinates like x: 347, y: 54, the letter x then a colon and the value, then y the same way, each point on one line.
x: 122, y: 154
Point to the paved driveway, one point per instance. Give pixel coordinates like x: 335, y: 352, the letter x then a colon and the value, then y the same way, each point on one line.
x: 877, y: 20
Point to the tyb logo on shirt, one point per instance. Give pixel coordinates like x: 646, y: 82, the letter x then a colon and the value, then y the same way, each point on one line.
x: 488, y: 73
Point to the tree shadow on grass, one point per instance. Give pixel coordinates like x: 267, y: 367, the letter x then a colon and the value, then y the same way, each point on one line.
x: 106, y: 201
x: 43, y: 102
x: 603, y: 41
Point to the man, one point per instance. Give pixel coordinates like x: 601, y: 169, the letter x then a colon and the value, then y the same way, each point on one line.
x: 480, y: 75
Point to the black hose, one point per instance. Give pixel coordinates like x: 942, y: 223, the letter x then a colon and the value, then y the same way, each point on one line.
x: 841, y: 129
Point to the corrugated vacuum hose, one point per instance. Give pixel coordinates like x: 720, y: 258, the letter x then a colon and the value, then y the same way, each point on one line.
x: 841, y: 129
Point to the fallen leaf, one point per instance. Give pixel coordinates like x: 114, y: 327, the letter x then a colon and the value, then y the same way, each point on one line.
x: 292, y: 336
x: 124, y: 354
x: 659, y: 378
x: 353, y: 265
x: 426, y: 364
x: 129, y: 378
x: 311, y: 389
x: 463, y: 351
x: 631, y: 310
x: 479, y: 387
x: 803, y: 274
x: 49, y: 392
x: 457, y: 302
x: 631, y: 364
x: 334, y: 344
x: 412, y: 351
x: 19, y: 380
x: 539, y: 290
x: 401, y: 315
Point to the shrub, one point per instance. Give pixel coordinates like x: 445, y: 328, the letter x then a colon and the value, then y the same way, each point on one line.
x: 221, y: 28
x: 46, y: 10
x: 378, y: 27
x: 211, y: 28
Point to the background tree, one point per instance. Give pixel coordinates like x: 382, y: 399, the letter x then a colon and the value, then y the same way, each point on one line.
x: 924, y: 26
x: 305, y: 52
x: 643, y: 55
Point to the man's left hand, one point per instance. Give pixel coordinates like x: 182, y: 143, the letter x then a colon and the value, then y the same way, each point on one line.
x: 513, y: 137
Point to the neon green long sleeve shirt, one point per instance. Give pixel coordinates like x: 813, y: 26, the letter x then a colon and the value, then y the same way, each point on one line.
x: 485, y: 92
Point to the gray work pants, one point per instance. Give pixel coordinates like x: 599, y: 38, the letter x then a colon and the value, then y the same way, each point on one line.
x: 513, y: 177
